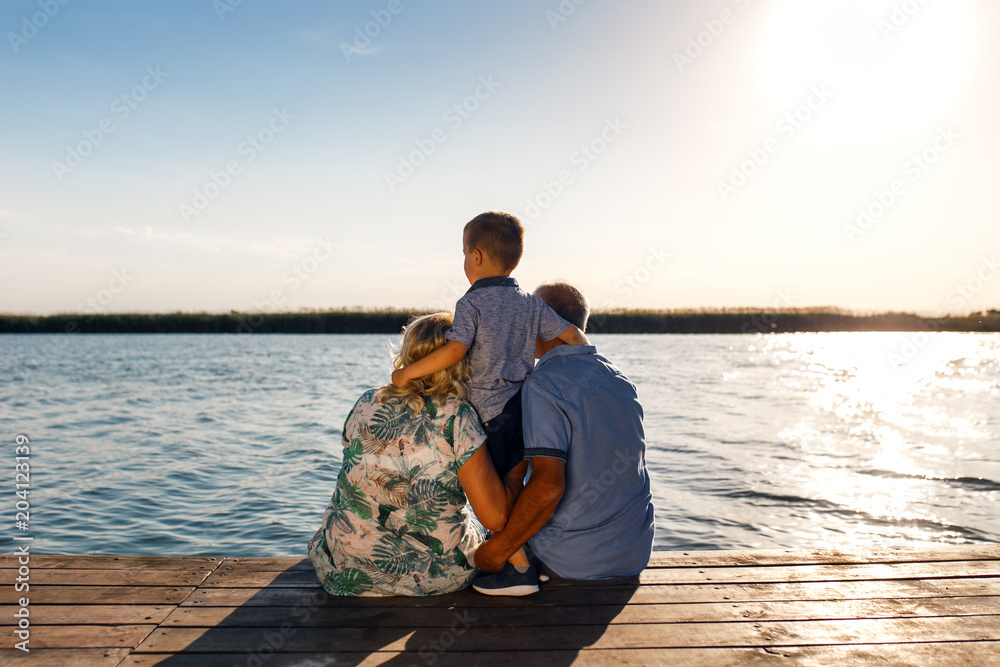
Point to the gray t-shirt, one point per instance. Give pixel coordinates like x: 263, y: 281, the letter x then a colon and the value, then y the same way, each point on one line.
x: 499, y: 322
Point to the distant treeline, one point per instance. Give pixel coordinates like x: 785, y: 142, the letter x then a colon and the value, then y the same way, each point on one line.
x: 723, y: 321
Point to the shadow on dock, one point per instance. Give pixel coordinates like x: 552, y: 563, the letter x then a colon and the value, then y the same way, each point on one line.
x: 261, y: 619
x: 912, y: 605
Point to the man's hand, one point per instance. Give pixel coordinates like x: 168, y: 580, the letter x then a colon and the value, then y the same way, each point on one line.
x: 489, y: 558
x: 533, y: 508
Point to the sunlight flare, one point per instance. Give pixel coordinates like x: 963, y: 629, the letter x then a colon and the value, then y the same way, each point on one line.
x: 890, y: 69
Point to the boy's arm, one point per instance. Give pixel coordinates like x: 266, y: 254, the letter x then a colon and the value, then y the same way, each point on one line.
x: 574, y: 336
x: 444, y: 357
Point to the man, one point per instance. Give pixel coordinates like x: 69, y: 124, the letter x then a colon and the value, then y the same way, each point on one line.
x: 586, y: 511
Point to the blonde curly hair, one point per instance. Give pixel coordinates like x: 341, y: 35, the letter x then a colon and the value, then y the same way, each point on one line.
x: 421, y: 336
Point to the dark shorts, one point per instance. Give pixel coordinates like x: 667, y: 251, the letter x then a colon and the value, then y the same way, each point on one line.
x: 504, y: 438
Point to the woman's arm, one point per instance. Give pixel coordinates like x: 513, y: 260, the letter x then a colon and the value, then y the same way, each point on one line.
x: 444, y: 357
x: 490, y: 498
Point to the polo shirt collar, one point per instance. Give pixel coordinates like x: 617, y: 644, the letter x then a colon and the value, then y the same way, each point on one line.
x: 567, y: 351
x: 493, y: 281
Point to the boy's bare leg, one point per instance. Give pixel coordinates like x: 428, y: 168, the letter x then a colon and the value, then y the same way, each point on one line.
x: 520, y: 560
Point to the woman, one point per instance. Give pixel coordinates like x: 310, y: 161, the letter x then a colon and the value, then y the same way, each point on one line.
x: 397, y: 523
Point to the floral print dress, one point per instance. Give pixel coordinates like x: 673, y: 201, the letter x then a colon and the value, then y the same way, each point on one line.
x: 397, y: 523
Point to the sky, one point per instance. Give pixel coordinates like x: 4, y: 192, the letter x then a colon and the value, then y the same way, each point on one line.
x: 258, y: 155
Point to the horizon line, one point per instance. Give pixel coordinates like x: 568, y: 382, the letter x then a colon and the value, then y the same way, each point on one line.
x: 826, y: 309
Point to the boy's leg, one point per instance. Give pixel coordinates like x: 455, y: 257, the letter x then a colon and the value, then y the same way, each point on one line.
x: 520, y: 560
x: 505, y: 443
x: 504, y: 438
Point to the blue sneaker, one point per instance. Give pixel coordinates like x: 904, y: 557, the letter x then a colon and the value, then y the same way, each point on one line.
x: 507, y: 581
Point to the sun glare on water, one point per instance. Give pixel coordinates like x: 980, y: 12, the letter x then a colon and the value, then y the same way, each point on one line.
x: 890, y: 66
x: 881, y: 388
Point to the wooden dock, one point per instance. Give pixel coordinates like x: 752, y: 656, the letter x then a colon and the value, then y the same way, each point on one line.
x: 893, y: 606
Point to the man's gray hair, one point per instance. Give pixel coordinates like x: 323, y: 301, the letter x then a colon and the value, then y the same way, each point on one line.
x: 568, y: 302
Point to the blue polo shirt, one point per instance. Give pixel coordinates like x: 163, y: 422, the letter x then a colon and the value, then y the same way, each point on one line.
x: 579, y: 407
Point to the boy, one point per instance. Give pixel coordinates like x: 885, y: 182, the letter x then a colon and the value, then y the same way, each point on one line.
x: 497, y: 324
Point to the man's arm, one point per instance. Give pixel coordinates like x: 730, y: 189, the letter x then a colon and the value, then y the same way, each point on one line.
x: 534, y: 507
x: 444, y: 357
x: 574, y: 336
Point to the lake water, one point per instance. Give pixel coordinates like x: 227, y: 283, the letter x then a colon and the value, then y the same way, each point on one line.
x: 230, y: 445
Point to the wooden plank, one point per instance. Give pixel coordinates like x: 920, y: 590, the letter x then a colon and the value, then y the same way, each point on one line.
x: 156, y: 595
x: 88, y: 614
x: 360, y: 616
x: 897, y: 554
x: 109, y: 577
x: 266, y: 565
x: 582, y: 595
x: 261, y: 579
x: 702, y: 559
x: 786, y: 573
x: 81, y: 636
x: 956, y: 654
x: 52, y: 561
x: 684, y: 635
x: 73, y: 657
x: 686, y: 575
x: 659, y: 559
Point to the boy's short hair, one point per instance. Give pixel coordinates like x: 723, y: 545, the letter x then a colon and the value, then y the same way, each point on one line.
x: 499, y: 235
